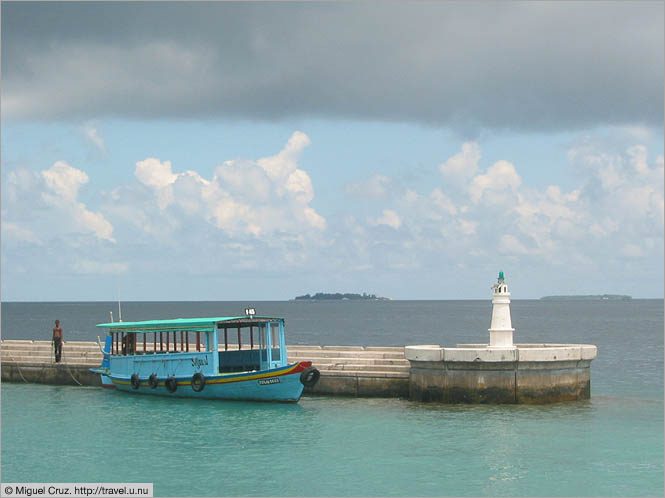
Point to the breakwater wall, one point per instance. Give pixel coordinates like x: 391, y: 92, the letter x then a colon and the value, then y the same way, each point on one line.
x: 345, y: 370
x: 525, y: 373
x: 468, y: 373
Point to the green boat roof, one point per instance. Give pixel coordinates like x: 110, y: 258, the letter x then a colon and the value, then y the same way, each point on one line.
x: 191, y: 323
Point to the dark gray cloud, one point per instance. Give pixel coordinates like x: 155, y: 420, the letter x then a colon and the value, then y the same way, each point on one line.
x: 522, y: 66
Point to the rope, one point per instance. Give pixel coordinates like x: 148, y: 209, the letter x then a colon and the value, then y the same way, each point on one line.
x: 21, y: 373
x: 67, y: 367
x: 17, y: 366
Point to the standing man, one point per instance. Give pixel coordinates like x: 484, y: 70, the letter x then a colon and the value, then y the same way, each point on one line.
x: 57, y: 340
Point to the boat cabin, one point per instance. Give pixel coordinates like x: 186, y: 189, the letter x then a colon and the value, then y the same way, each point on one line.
x: 185, y: 346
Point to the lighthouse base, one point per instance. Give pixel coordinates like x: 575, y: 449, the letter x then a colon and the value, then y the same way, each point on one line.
x: 476, y: 373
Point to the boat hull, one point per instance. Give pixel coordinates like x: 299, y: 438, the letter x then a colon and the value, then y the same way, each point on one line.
x: 281, y: 384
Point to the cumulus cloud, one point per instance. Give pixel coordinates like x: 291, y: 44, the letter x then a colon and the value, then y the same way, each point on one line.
x: 47, y: 232
x: 257, y: 215
x: 62, y: 183
x: 259, y: 198
x: 630, y: 188
x: 491, y: 186
x: 64, y: 180
x: 463, y: 165
x: 493, y: 213
x: 158, y: 175
x: 389, y: 218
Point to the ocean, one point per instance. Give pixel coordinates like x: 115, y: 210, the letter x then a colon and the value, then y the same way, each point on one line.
x: 611, y: 445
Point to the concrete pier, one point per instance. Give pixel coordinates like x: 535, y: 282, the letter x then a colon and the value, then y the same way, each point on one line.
x: 474, y: 373
x: 345, y: 370
x: 501, y: 371
x: 497, y: 372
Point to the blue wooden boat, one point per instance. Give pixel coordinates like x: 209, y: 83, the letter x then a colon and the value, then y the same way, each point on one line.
x: 204, y: 358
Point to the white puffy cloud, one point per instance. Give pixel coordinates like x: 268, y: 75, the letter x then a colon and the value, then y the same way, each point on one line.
x: 616, y: 211
x: 463, y: 165
x: 154, y: 173
x: 630, y: 188
x: 389, y: 218
x: 62, y: 183
x: 158, y: 175
x: 258, y: 198
x: 64, y: 180
x: 283, y: 170
x: 257, y: 216
x: 491, y: 186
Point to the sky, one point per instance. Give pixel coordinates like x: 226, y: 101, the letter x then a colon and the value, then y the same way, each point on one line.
x: 263, y: 150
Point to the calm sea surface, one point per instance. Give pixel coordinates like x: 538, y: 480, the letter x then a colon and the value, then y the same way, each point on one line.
x: 611, y: 445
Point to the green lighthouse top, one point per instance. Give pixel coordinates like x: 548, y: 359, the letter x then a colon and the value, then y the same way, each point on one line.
x: 500, y: 275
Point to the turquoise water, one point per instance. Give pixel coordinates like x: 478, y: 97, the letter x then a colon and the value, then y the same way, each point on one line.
x: 611, y: 445
x: 332, y: 446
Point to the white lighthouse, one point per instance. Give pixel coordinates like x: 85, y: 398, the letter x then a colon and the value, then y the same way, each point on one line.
x: 501, y: 330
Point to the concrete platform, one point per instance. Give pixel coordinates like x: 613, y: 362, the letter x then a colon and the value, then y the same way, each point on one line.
x: 345, y: 370
x: 477, y: 373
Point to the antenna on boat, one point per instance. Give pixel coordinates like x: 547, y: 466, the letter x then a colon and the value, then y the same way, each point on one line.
x: 111, y: 312
x: 117, y: 288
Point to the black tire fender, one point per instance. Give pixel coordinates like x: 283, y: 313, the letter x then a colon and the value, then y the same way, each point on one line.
x: 171, y: 384
x: 135, y: 381
x: 153, y: 382
x: 310, y: 377
x: 198, y: 382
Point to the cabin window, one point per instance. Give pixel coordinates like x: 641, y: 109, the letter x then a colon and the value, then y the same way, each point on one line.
x: 128, y: 343
x: 262, y: 337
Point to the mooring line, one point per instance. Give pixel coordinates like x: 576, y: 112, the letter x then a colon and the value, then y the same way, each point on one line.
x: 68, y: 370
x: 17, y: 366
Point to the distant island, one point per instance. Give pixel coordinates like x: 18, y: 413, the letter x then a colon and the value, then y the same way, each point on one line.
x: 592, y: 297
x: 324, y: 296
